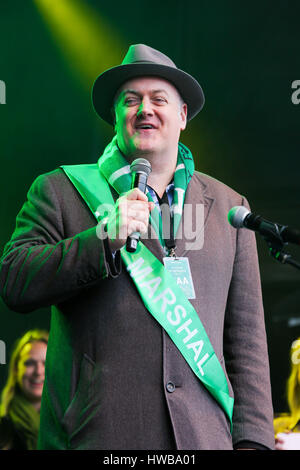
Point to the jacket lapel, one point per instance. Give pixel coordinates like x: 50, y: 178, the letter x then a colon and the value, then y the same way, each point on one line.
x: 197, y: 208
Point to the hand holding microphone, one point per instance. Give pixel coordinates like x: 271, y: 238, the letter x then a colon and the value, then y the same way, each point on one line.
x: 140, y: 170
x: 130, y: 217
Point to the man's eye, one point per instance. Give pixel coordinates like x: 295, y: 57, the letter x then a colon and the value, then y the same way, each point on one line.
x: 159, y: 99
x: 131, y: 100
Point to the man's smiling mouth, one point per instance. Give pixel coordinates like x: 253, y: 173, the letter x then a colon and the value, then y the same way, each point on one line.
x: 145, y: 126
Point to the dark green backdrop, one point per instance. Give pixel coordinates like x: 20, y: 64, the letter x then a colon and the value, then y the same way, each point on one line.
x: 245, y: 55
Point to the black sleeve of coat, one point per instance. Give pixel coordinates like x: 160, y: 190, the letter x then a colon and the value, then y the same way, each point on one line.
x: 40, y: 265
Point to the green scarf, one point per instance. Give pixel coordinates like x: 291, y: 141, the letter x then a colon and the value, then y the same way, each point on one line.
x: 25, y: 419
x: 116, y: 169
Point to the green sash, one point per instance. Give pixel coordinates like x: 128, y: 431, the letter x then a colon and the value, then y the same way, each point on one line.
x: 159, y: 292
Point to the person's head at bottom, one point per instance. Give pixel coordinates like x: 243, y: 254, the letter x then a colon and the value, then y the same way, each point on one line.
x: 22, y: 394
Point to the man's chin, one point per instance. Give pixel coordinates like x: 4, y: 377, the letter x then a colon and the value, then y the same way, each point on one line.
x: 141, y: 151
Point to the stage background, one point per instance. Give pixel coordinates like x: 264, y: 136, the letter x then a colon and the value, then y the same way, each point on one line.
x: 245, y: 55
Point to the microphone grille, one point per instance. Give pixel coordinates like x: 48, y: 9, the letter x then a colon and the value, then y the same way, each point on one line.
x: 237, y: 215
x: 141, y: 164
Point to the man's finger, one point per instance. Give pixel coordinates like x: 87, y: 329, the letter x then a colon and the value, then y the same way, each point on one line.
x: 136, y: 194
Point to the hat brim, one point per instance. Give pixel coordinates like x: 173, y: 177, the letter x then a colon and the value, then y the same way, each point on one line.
x: 108, y: 83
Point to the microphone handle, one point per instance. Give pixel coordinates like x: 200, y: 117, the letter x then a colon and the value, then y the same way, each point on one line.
x: 267, y: 229
x: 290, y: 235
x: 139, y: 181
x: 132, y: 242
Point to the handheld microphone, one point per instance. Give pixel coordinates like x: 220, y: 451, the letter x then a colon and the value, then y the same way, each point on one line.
x: 140, y: 170
x: 241, y: 217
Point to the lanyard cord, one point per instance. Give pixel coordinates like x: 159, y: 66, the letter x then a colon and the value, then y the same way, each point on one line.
x: 167, y: 223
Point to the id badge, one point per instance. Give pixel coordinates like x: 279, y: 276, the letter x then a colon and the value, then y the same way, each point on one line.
x: 180, y: 270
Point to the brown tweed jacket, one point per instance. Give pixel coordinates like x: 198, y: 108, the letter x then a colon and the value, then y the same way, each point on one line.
x: 114, y: 379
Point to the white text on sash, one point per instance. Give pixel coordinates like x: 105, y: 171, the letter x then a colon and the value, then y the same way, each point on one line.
x: 176, y: 315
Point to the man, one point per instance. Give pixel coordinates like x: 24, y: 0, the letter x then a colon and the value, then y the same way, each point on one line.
x: 135, y: 361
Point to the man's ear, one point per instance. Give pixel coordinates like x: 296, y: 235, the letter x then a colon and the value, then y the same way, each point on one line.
x: 183, y: 116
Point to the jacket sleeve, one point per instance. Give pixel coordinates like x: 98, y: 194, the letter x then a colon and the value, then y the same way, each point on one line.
x: 245, y: 347
x: 40, y: 266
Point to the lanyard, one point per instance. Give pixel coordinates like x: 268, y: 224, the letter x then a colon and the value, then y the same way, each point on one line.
x: 167, y: 223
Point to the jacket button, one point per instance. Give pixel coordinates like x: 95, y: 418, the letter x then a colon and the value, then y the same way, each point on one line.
x: 170, y: 387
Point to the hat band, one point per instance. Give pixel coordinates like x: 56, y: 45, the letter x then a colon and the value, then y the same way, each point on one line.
x: 145, y: 62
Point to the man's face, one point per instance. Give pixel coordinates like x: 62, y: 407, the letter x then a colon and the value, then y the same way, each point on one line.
x: 149, y: 117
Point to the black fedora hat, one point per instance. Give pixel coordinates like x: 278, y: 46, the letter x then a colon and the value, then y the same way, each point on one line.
x: 141, y: 61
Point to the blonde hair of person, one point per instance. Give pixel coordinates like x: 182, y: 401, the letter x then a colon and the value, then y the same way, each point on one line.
x: 289, y: 421
x: 31, y: 336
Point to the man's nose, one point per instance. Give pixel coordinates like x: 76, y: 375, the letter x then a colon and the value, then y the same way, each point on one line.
x: 145, y: 107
